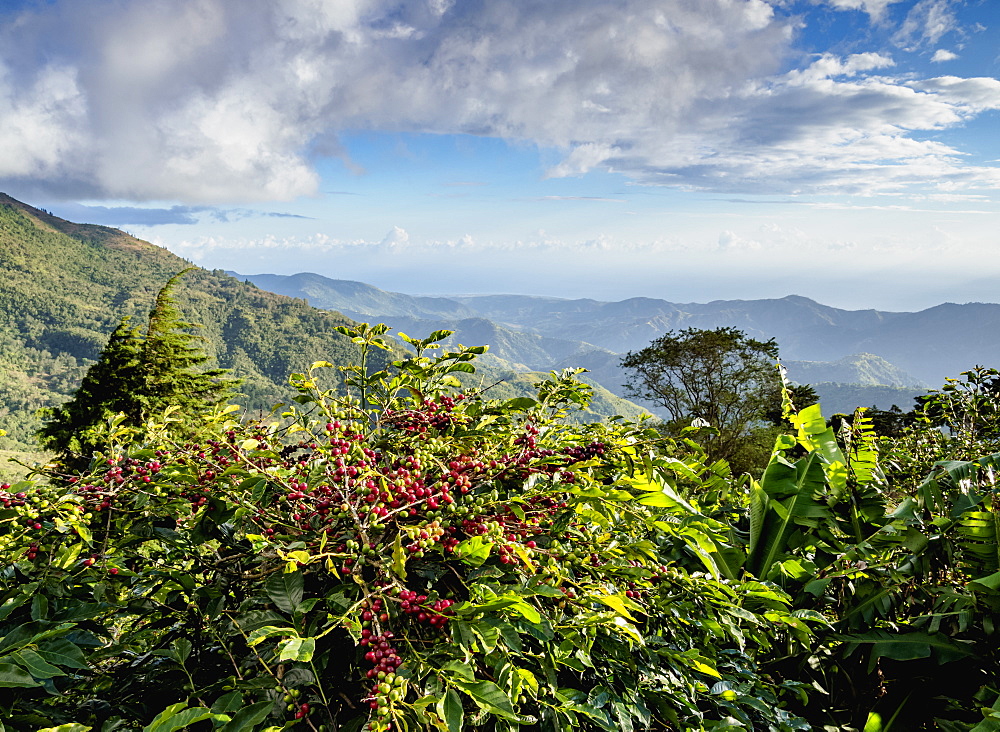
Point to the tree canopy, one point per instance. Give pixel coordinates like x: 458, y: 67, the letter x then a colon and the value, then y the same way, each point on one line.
x: 136, y: 375
x: 720, y: 376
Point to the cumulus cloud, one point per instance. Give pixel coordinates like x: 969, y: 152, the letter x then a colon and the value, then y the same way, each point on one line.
x: 209, y: 102
x: 942, y: 55
x: 396, y: 238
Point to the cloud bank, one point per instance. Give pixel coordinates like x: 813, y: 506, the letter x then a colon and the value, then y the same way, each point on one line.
x: 215, y: 102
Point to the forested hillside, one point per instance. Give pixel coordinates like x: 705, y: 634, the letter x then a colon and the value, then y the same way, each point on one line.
x: 66, y: 287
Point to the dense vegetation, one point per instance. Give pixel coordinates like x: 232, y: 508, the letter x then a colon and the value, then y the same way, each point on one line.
x: 403, y: 548
x: 410, y: 555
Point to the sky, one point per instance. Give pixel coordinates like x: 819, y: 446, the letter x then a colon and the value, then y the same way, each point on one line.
x: 690, y: 150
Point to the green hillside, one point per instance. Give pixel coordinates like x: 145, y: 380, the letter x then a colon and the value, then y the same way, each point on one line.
x: 66, y: 286
x: 863, y: 369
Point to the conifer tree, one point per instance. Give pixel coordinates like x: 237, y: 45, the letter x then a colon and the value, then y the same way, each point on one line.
x: 114, y: 384
x: 171, y: 359
x: 136, y: 376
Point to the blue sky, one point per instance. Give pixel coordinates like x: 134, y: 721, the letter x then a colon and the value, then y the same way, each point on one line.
x: 693, y: 150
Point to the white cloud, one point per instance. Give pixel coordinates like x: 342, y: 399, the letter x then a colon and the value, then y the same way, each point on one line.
x: 41, y: 123
x: 875, y: 8
x: 942, y: 55
x: 208, y: 101
x: 396, y: 238
x: 927, y: 22
x: 730, y: 241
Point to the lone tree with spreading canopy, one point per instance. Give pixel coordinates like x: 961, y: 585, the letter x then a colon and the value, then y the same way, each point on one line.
x: 721, y: 376
x: 136, y: 375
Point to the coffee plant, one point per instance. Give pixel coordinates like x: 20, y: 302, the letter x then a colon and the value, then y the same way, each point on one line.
x: 407, y: 555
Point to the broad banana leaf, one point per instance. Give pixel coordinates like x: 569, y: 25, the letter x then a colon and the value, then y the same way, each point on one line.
x: 785, y: 500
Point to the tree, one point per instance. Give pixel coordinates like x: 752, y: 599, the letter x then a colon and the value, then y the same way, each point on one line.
x: 114, y: 384
x: 720, y: 376
x: 135, y: 376
x: 969, y: 409
x: 172, y: 360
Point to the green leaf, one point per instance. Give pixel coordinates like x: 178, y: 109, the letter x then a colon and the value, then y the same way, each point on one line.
x: 267, y: 631
x: 285, y: 590
x: 617, y: 604
x: 451, y: 711
x: 297, y: 649
x: 15, y: 676
x: 462, y: 669
x: 228, y: 703
x: 990, y: 583
x: 489, y: 697
x: 67, y: 555
x: 908, y: 646
x: 39, y: 607
x: 176, y: 717
x: 11, y: 604
x: 83, y: 532
x: 69, y: 727
x: 182, y: 649
x: 37, y: 665
x: 790, y: 492
x: 62, y: 652
x: 474, y: 550
x: 247, y: 719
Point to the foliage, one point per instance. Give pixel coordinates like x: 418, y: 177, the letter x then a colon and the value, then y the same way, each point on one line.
x: 404, y: 554
x: 910, y: 588
x: 968, y: 408
x: 397, y: 549
x: 173, y: 363
x: 720, y: 377
x: 136, y: 376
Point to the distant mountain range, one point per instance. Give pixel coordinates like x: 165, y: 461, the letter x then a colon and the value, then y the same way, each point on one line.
x: 895, y: 355
x: 919, y: 349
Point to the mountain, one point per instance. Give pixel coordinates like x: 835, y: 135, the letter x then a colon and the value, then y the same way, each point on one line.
x: 356, y: 299
x: 845, y: 398
x: 861, y: 369
x: 818, y: 343
x: 416, y: 315
x: 930, y: 345
x: 515, y: 359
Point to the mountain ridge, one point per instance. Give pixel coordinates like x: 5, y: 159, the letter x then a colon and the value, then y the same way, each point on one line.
x: 806, y: 330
